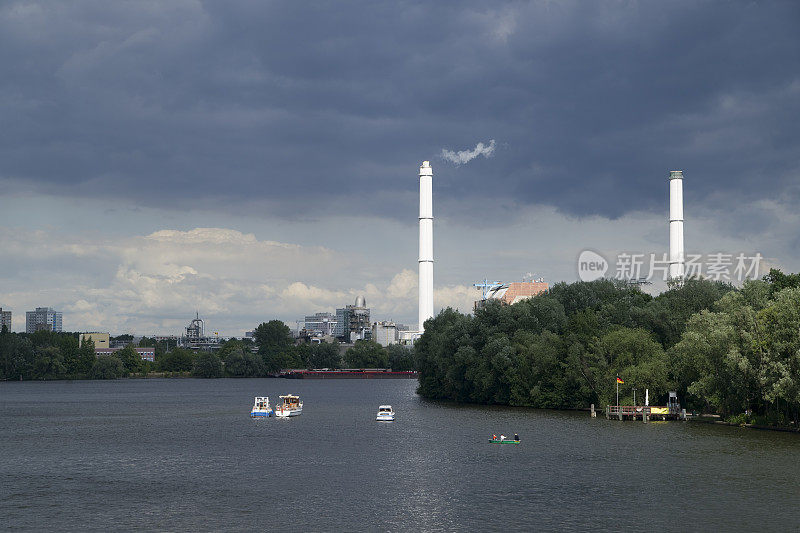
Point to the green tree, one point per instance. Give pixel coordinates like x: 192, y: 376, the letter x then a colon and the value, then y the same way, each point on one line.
x: 242, y: 363
x: 178, y: 360
x: 107, y: 367
x: 275, y: 346
x: 401, y: 358
x: 779, y: 281
x: 48, y: 363
x: 325, y: 355
x: 273, y: 336
x: 17, y: 353
x: 366, y: 354
x: 85, y: 359
x: 131, y: 360
x: 207, y: 365
x: 778, y: 338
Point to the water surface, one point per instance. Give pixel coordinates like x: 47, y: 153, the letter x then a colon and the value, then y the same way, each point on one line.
x: 183, y: 454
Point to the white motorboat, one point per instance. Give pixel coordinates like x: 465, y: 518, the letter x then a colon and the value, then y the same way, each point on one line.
x: 290, y: 406
x: 261, y: 408
x: 385, y: 414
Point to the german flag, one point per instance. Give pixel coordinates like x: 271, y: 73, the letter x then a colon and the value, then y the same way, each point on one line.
x: 619, y: 380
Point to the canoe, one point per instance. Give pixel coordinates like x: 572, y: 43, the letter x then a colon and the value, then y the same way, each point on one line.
x: 498, y: 441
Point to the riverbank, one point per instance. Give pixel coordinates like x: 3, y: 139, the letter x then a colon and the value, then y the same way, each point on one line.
x: 717, y: 420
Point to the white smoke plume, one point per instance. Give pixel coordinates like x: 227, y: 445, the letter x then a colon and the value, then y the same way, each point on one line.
x: 465, y: 156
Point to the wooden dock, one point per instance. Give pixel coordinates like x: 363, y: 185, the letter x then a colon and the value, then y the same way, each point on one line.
x: 643, y: 412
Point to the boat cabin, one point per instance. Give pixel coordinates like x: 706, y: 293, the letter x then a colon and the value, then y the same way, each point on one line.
x: 385, y: 409
x: 261, y: 402
x: 291, y: 401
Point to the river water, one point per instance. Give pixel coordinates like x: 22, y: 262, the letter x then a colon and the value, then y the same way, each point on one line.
x: 183, y: 454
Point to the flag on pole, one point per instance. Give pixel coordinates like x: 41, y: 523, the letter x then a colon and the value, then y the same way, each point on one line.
x: 619, y: 380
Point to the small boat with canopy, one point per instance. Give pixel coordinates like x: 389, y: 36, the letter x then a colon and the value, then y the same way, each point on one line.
x: 290, y: 406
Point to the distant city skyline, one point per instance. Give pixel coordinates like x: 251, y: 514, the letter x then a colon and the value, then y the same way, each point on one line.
x: 161, y: 159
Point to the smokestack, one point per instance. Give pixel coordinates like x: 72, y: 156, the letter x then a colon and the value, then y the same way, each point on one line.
x: 425, y: 244
x: 676, y: 256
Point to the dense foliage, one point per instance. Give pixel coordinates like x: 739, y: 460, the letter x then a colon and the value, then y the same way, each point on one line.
x: 207, y: 365
x: 366, y: 354
x: 723, y: 349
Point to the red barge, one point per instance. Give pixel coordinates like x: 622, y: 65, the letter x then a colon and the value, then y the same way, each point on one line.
x: 349, y: 373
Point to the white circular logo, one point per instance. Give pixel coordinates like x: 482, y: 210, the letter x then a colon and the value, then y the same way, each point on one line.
x: 591, y: 265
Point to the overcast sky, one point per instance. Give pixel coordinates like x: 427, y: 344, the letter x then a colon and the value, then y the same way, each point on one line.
x: 258, y: 160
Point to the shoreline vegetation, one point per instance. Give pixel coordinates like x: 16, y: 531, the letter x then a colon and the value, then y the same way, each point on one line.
x: 729, y: 351
x: 47, y: 355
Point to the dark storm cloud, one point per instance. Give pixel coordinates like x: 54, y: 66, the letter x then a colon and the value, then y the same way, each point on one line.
x: 282, y: 104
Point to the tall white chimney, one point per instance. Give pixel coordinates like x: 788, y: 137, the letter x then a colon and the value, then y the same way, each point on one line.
x: 425, y: 244
x: 676, y: 256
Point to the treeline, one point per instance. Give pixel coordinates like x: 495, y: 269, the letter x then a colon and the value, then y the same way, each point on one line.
x: 46, y: 355
x: 731, y: 351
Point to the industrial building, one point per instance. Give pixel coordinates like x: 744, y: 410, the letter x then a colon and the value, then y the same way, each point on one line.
x: 511, y: 293
x: 100, y: 340
x: 147, y: 353
x: 5, y: 319
x: 320, y: 324
x: 43, y: 318
x: 352, y: 322
x: 385, y: 333
x: 195, y: 337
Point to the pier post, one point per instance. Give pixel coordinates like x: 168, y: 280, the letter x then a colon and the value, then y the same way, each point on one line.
x: 608, y: 412
x: 683, y: 414
x: 591, y: 409
x: 619, y: 413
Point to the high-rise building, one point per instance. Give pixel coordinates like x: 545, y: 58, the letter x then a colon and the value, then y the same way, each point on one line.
x: 5, y: 319
x: 45, y: 318
x: 320, y: 324
x: 352, y: 321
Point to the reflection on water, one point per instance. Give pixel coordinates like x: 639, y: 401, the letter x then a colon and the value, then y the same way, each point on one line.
x: 185, y: 455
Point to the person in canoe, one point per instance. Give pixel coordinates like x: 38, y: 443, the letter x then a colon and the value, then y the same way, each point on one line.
x: 494, y: 437
x: 516, y: 437
x: 502, y: 437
